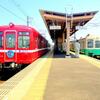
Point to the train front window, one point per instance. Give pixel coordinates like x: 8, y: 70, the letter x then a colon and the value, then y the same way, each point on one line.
x: 1, y: 39
x: 10, y: 40
x: 90, y: 43
x: 97, y: 44
x: 23, y: 40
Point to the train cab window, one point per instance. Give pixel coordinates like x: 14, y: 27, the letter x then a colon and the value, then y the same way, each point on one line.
x: 1, y: 39
x: 97, y: 44
x: 23, y: 40
x: 90, y: 43
x: 10, y: 40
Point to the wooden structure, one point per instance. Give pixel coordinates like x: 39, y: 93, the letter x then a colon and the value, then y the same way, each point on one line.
x: 61, y: 25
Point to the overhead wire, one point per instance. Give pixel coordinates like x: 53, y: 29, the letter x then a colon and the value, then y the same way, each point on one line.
x: 19, y: 8
x: 6, y: 9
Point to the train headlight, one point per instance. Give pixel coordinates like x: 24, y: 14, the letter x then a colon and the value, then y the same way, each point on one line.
x: 11, y: 25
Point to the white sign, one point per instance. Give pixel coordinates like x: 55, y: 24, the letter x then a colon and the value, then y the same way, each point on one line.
x: 55, y: 27
x: 80, y: 27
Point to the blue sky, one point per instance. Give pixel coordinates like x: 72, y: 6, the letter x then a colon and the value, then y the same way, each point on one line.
x: 31, y: 8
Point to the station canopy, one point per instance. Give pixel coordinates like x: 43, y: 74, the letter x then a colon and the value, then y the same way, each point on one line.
x: 56, y: 22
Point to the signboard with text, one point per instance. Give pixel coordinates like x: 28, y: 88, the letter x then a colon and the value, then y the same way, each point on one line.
x: 55, y: 27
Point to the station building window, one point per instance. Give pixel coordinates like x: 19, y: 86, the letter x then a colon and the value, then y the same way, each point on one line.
x: 90, y: 43
x: 23, y: 40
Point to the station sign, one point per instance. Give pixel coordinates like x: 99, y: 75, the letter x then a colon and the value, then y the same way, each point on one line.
x: 80, y: 27
x: 55, y: 27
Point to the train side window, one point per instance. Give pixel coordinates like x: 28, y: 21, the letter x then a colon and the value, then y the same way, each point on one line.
x: 10, y: 40
x: 36, y: 41
x: 90, y: 43
x: 97, y: 44
x: 23, y: 40
x: 1, y: 39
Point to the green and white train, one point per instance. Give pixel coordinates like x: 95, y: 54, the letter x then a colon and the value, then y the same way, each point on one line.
x: 90, y: 45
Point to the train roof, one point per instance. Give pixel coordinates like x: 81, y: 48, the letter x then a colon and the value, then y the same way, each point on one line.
x: 92, y: 36
x: 11, y: 26
x: 15, y: 26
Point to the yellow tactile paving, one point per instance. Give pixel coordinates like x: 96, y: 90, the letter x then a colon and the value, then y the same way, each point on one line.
x: 24, y: 85
x: 20, y: 87
x: 59, y: 79
x: 81, y: 83
x: 37, y: 88
x: 90, y: 60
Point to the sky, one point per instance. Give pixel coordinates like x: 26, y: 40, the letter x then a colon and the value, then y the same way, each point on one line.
x: 16, y: 11
x: 91, y: 27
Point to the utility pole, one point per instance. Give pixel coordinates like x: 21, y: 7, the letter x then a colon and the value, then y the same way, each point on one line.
x: 28, y: 21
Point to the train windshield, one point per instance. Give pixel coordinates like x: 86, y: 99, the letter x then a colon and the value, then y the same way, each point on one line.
x: 90, y: 43
x: 1, y: 39
x: 97, y: 44
x: 23, y: 40
x: 10, y: 40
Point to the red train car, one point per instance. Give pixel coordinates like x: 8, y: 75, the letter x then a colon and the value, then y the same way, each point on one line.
x: 20, y: 45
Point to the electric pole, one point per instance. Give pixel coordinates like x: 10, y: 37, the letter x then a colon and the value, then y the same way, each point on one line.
x: 27, y: 20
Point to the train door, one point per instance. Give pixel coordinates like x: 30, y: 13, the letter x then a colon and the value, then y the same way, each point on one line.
x: 10, y: 46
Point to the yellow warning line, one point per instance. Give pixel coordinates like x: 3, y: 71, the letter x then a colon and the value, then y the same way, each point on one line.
x: 91, y: 60
x: 37, y: 88
x: 32, y: 85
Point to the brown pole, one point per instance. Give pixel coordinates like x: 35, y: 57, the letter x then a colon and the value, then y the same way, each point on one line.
x: 63, y: 41
x: 67, y: 37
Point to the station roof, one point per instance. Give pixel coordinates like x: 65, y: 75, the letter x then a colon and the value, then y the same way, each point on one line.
x: 59, y: 19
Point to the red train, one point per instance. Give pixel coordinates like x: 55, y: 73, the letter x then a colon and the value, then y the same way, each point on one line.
x: 20, y: 45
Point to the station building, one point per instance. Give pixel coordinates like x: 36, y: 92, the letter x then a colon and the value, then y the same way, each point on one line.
x: 62, y: 25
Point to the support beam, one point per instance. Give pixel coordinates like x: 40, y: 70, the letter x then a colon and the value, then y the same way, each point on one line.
x: 67, y: 37
x: 63, y: 40
x: 63, y: 18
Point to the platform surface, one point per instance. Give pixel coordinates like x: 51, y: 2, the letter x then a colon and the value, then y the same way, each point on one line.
x: 72, y: 79
x: 55, y: 78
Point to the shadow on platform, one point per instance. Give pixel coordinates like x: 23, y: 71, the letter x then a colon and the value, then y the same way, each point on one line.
x: 62, y: 55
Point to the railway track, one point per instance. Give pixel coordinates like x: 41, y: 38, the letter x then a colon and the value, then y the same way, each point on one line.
x: 7, y: 73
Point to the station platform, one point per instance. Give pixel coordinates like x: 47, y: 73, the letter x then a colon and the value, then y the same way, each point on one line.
x: 61, y: 79
x: 71, y: 79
